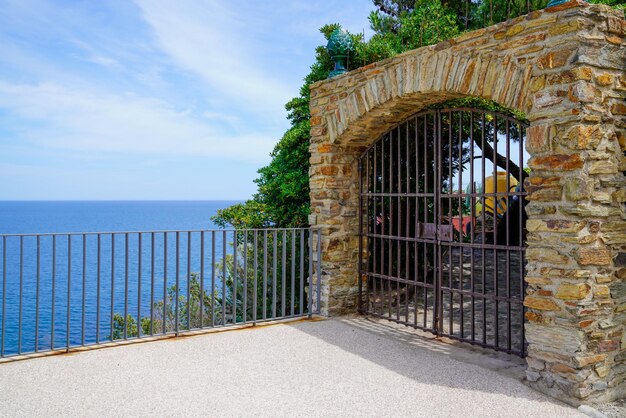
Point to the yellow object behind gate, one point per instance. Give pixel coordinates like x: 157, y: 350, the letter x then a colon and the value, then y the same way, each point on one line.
x: 501, y: 188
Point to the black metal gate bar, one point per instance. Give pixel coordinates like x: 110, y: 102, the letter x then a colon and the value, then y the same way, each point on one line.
x: 436, y: 255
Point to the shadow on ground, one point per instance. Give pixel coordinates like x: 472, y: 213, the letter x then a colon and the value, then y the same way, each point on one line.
x: 426, y: 359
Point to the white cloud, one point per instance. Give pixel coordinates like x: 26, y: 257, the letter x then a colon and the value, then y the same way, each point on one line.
x: 220, y: 116
x: 212, y: 42
x: 104, y: 61
x: 95, y: 121
x: 101, y: 91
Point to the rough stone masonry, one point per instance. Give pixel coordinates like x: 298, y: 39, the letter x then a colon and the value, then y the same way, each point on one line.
x: 564, y: 67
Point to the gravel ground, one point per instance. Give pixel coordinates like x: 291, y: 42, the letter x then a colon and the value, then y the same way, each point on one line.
x: 340, y: 367
x: 615, y: 409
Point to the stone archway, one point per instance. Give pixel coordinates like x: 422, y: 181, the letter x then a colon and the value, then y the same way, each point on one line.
x: 564, y: 68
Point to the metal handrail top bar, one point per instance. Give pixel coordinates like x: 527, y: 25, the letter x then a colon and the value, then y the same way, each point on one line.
x: 34, y: 234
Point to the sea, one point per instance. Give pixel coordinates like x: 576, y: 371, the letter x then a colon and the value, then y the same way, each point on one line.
x: 60, y: 289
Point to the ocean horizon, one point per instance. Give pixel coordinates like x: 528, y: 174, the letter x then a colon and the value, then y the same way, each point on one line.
x: 48, y: 216
x: 36, y: 283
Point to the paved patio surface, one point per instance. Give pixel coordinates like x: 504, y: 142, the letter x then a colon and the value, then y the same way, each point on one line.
x: 339, y: 367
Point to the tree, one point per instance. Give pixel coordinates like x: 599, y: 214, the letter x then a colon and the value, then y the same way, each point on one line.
x: 282, y: 199
x: 277, y: 287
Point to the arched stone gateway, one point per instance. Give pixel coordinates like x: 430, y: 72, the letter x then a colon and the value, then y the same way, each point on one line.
x: 564, y: 68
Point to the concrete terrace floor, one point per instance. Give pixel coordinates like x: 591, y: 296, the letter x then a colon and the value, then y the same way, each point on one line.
x: 338, y: 367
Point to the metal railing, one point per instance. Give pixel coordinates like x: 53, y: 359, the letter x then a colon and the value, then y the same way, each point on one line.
x: 64, y: 290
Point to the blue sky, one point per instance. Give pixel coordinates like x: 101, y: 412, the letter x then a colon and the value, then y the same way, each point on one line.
x: 151, y: 99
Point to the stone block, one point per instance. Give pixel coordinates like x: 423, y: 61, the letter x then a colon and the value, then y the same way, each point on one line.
x: 585, y: 136
x: 608, y: 345
x: 549, y: 98
x: 603, y: 167
x: 554, y: 225
x: 583, y: 361
x: 583, y: 73
x: 535, y: 318
x: 603, y: 278
x: 538, y: 139
x: 615, y: 40
x: 599, y: 385
x: 618, y: 109
x: 572, y: 291
x: 614, y: 25
x: 562, y: 368
x: 584, y: 92
x: 545, y: 193
x: 563, y: 28
x: 555, y: 59
x: 618, y: 290
x: 556, y: 162
x: 606, y: 324
x: 577, y: 188
x: 541, y: 304
x: 589, y: 211
x: 532, y: 376
x: 604, y: 79
x: 536, y: 210
x: 561, y: 341
x: 536, y: 364
x: 537, y: 280
x: 546, y: 255
x: 565, y: 273
x: 537, y: 84
x: 620, y: 195
x: 601, y: 197
x: 601, y: 292
x: 596, y: 256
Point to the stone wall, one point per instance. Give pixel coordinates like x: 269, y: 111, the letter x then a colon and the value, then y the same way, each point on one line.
x: 564, y: 67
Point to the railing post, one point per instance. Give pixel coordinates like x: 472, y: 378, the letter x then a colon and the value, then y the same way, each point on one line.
x: 4, y: 292
x: 177, y: 282
x: 280, y: 295
x: 360, y: 256
x: 319, y: 271
x: 310, y: 305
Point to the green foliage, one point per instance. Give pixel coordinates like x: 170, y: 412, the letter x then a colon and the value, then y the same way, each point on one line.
x: 473, y: 14
x: 485, y: 13
x: 480, y: 103
x: 119, y: 324
x: 276, y: 288
x: 165, y: 311
x: 427, y: 23
x: 616, y: 4
x: 273, y: 285
x: 282, y: 199
x: 250, y: 214
x: 394, y: 8
x: 493, y: 11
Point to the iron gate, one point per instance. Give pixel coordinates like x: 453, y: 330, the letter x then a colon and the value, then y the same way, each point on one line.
x: 442, y: 226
